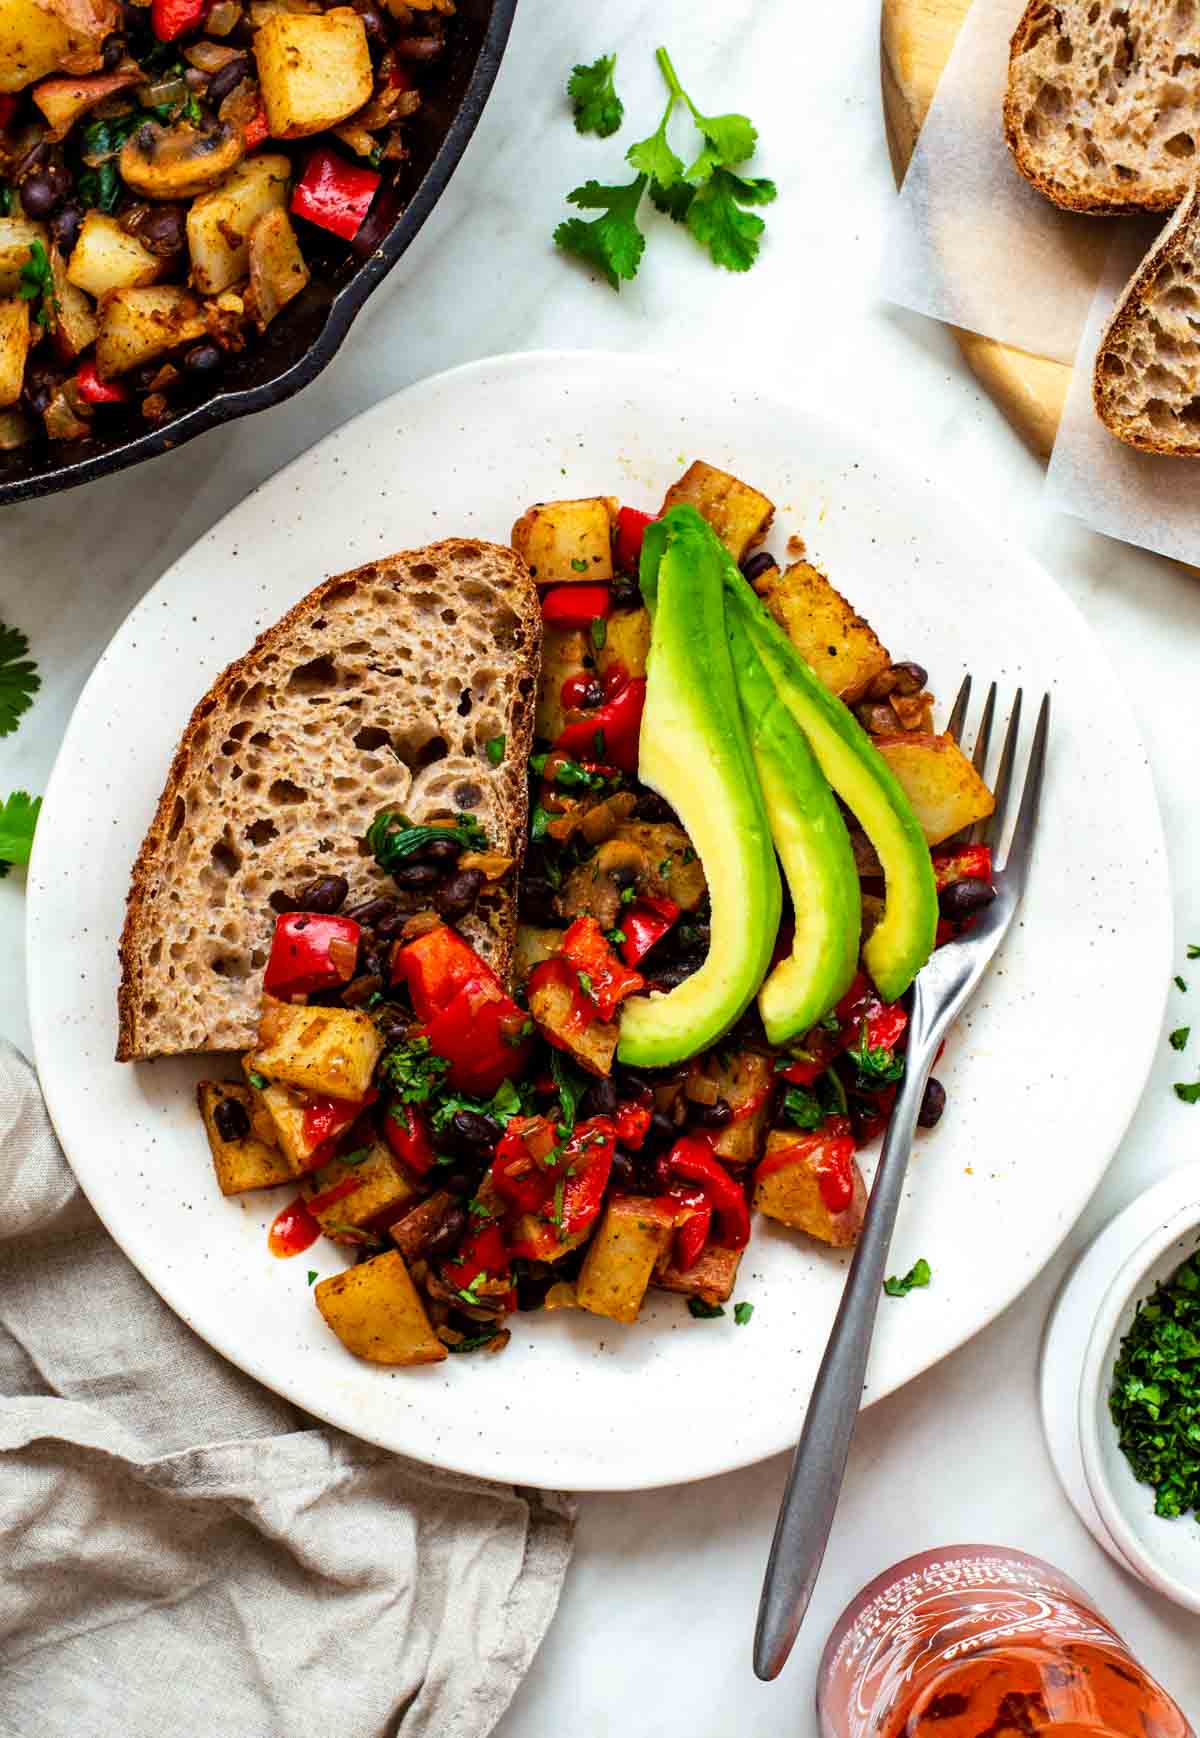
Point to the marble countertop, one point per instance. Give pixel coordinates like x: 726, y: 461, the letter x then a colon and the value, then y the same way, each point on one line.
x: 654, y: 1631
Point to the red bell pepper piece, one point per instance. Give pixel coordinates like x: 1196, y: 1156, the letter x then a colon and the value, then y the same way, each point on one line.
x: 645, y: 922
x: 693, y: 1226
x: 565, y: 1187
x: 327, y: 1118
x: 693, y: 1158
x: 436, y: 967
x: 967, y: 863
x: 518, y: 1168
x: 633, y: 1122
x: 631, y: 529
x: 172, y: 18
x: 482, y: 1255
x: 98, y: 391
x: 886, y: 1023
x: 255, y: 129
x: 310, y: 952
x: 834, y: 1147
x: 582, y: 1012
x: 609, y: 732
x: 478, y: 1034
x: 576, y: 606
x: 334, y: 194
x: 602, y: 977
x: 407, y: 1134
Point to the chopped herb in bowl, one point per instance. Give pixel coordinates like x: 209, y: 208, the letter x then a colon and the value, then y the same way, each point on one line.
x: 1155, y: 1395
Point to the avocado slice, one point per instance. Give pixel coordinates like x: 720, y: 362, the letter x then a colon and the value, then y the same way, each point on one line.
x: 813, y: 845
x: 694, y: 752
x: 904, y: 938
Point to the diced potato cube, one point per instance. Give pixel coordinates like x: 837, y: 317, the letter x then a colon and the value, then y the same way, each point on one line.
x: 565, y: 541
x: 533, y: 947
x: 16, y: 430
x: 743, y: 1078
x: 277, y: 269
x: 15, y: 339
x: 219, y: 223
x: 375, y: 1185
x: 326, y: 1050
x: 314, y: 70
x: 633, y: 1234
x: 137, y: 325
x: 626, y: 642
x: 376, y: 1312
x: 64, y: 100
x: 712, y: 1278
x: 106, y: 257
x: 75, y: 324
x: 939, y: 781
x: 277, y: 1116
x: 739, y: 515
x: 563, y: 652
x: 33, y: 42
x: 244, y: 1162
x: 791, y: 1193
x: 17, y: 235
x: 839, y: 647
x: 593, y: 1046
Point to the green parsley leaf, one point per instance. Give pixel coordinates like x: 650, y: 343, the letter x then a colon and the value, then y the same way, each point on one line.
x: 1193, y: 950
x: 570, y: 776
x: 593, y: 94
x: 1189, y: 1094
x: 742, y: 1313
x: 919, y: 1274
x: 612, y: 242
x: 579, y: 564
x: 312, y: 1276
x: 704, y: 1312
x: 18, y: 819
x: 717, y: 221
x: 36, y: 283
x: 412, y: 1070
x: 614, y: 937
x: 876, y: 1066
x: 1179, y: 983
x: 803, y: 1108
x: 599, y: 633
x: 1179, y: 1037
x: 259, y: 1081
x: 511, y: 1098
x: 570, y: 1086
x: 495, y: 749
x: 1155, y: 1395
x: 628, y: 895
x: 391, y: 837
x: 19, y: 680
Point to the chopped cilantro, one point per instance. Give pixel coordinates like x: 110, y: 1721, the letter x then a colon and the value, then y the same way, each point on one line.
x: 612, y: 242
x: 412, y: 1070
x: 473, y: 1342
x: 539, y: 821
x: 1179, y: 1037
x: 1189, y: 1094
x: 560, y: 1189
x: 803, y: 1108
x: 391, y: 837
x: 598, y: 108
x: 495, y: 749
x: 19, y: 680
x: 312, y: 1275
x: 628, y: 895
x: 570, y: 1086
x: 36, y: 283
x: 585, y: 984
x: 876, y: 1065
x: 357, y: 1157
x: 509, y: 1099
x: 704, y: 1312
x: 18, y: 819
x: 688, y: 855
x: 599, y: 633
x: 742, y: 1313
x: 570, y: 776
x: 579, y: 564
x: 614, y: 937
x: 664, y: 868
x: 919, y: 1274
x: 1193, y: 950
x: 1155, y: 1394
x: 1179, y: 983
x: 258, y: 1081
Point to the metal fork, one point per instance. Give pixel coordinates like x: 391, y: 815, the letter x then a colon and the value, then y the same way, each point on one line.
x: 940, y: 992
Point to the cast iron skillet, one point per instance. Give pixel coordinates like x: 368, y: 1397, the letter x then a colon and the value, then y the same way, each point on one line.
x: 306, y: 335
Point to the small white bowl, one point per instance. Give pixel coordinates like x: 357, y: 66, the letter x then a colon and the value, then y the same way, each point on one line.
x: 1165, y: 1553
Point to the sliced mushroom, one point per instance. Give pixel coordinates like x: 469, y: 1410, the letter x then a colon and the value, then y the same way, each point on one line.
x: 176, y: 162
x: 594, y: 888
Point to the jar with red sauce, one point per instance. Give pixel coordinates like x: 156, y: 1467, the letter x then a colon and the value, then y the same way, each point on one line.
x: 972, y: 1641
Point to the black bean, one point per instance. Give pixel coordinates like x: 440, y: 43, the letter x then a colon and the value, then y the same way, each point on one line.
x: 164, y: 231
x: 325, y: 895
x: 600, y: 1099
x: 472, y: 1134
x: 65, y: 225
x: 418, y: 47
x: 415, y: 876
x: 910, y: 677
x: 626, y: 594
x: 455, y: 897
x: 231, y: 1120
x: 661, y: 1133
x: 537, y: 900
x: 531, y: 1290
x: 932, y: 1105
x: 372, y: 19
x: 624, y: 1173
x: 39, y: 388
x: 459, y: 1183
x: 389, y: 927
x: 113, y: 52
x: 712, y: 1115
x: 202, y: 359
x: 227, y: 79
x: 142, y: 380
x: 449, y: 1233
x: 650, y: 807
x: 39, y: 193
x: 962, y: 899
x: 674, y: 973
x: 754, y: 566
x: 372, y: 912
x: 372, y: 960
x: 441, y: 851
x: 591, y: 695
x: 393, y: 1023
x: 282, y: 902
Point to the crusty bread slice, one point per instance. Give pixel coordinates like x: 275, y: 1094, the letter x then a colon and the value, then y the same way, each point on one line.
x: 1102, y: 111
x: 1146, y: 381
x: 380, y: 689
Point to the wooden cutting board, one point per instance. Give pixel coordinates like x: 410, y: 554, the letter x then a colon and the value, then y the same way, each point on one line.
x: 915, y: 43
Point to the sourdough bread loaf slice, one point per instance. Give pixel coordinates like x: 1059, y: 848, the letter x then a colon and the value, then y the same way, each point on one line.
x: 380, y: 690
x: 1102, y: 111
x: 1146, y: 382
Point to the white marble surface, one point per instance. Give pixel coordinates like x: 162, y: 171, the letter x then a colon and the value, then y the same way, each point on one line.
x: 653, y: 1637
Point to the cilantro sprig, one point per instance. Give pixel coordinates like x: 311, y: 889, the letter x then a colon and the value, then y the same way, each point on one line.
x: 391, y: 837
x: 918, y: 1275
x: 18, y: 819
x: 1155, y: 1394
x: 19, y: 680
x: 35, y: 283
x: 412, y: 1070
x: 598, y: 108
x: 708, y: 197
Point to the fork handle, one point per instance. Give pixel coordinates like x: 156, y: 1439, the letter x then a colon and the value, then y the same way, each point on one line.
x: 818, y: 1467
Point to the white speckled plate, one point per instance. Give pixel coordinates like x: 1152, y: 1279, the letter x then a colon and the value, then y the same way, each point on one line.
x: 1032, y: 1119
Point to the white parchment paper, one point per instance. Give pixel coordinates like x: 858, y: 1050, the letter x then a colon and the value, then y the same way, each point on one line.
x: 971, y: 241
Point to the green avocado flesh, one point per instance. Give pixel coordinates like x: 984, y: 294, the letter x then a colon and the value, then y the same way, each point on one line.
x: 904, y: 937
x: 813, y: 845
x: 694, y: 752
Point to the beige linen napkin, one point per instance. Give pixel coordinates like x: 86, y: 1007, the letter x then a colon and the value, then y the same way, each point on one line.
x: 183, y: 1553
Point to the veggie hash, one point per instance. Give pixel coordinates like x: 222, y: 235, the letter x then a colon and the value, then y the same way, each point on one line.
x: 744, y: 840
x: 168, y: 171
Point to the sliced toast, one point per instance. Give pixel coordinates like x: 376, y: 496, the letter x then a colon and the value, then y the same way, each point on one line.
x: 1146, y: 383
x: 380, y: 690
x: 1102, y: 112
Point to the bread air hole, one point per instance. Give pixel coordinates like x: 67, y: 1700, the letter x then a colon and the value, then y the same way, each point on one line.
x: 261, y: 832
x: 317, y: 675
x: 284, y: 794
x: 371, y: 737
x: 1180, y: 146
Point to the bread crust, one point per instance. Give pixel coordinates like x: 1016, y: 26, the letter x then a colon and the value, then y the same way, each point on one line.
x: 141, y: 916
